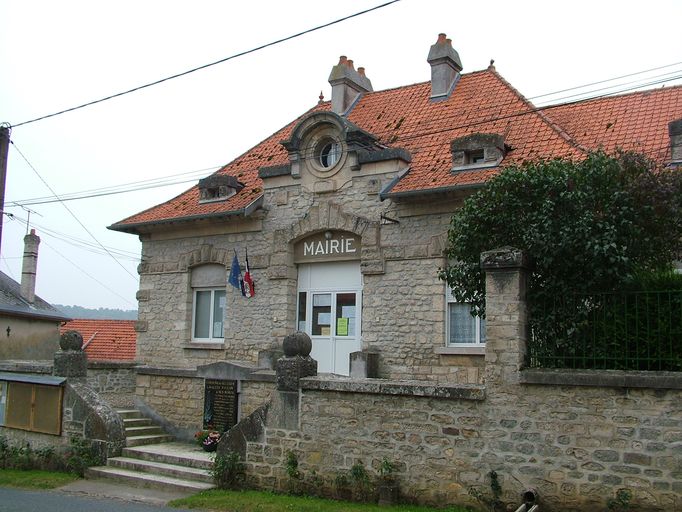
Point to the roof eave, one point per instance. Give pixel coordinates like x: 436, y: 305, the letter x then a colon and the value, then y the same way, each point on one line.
x: 38, y: 314
x: 427, y: 191
x: 134, y: 228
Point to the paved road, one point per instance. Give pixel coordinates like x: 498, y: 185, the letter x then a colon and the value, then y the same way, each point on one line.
x: 16, y: 500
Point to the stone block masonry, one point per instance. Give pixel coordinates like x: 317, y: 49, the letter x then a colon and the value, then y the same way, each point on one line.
x: 576, y: 437
x: 113, y: 381
x: 176, y: 402
x: 576, y: 445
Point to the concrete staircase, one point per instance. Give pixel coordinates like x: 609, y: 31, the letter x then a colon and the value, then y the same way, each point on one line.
x: 140, y: 430
x: 151, y: 460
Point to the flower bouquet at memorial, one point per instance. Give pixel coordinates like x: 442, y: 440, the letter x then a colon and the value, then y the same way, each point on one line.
x: 210, y: 442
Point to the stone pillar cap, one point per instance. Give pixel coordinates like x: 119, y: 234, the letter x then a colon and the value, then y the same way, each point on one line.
x: 503, y: 258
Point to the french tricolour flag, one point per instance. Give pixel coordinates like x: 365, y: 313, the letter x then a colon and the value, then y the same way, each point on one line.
x: 248, y: 288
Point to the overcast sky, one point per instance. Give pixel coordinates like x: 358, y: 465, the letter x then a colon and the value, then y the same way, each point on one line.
x: 55, y: 55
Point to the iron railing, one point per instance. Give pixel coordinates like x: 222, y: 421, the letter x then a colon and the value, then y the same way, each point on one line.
x: 608, y: 331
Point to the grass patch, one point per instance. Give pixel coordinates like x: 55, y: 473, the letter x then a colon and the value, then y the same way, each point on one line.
x: 34, y: 479
x: 258, y: 501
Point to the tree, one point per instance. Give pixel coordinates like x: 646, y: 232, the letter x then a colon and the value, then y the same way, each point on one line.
x: 588, y: 226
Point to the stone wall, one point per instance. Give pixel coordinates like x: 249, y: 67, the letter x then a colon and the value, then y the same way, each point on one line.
x: 576, y: 445
x: 253, y: 395
x: 174, y: 401
x: 85, y: 413
x: 113, y: 381
x: 88, y: 416
x: 577, y: 437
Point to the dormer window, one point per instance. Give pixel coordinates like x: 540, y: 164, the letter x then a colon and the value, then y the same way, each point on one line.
x: 218, y: 188
x: 475, y: 157
x: 477, y: 151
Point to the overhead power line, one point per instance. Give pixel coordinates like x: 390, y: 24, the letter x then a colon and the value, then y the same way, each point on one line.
x: 589, y: 95
x: 231, y: 57
x: 72, y: 214
x: 75, y: 241
x: 134, y: 186
x: 90, y: 275
x: 605, y: 81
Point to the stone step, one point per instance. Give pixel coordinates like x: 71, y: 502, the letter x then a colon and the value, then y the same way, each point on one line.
x: 145, y: 430
x: 136, y: 422
x: 148, y: 480
x: 181, y: 454
x: 129, y: 413
x: 161, y: 468
x: 151, y: 439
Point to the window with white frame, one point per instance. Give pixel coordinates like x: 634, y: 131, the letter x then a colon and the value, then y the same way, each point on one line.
x: 208, y: 303
x: 462, y: 328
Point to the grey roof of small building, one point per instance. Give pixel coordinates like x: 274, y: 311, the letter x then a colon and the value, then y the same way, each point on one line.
x: 12, y: 303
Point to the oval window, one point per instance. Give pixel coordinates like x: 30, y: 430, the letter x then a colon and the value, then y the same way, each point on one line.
x: 330, y: 152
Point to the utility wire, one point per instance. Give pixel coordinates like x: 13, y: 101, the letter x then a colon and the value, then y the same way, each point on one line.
x: 604, y: 81
x: 240, y: 54
x: 72, y: 214
x: 158, y: 182
x: 77, y: 242
x: 118, y: 189
x: 89, y: 275
x: 528, y: 111
x: 636, y: 82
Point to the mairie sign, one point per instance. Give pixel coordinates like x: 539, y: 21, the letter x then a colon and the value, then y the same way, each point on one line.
x: 328, y: 246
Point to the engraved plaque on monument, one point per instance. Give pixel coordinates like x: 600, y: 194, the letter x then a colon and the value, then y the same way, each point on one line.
x: 220, y: 404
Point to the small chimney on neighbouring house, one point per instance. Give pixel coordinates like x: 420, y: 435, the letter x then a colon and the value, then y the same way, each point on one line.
x: 445, y: 68
x: 347, y: 85
x: 675, y: 132
x: 29, y: 266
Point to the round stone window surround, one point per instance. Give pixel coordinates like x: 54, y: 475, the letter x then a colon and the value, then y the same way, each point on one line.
x: 320, y: 145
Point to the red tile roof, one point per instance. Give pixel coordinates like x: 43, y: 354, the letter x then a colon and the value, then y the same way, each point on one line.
x: 482, y: 102
x: 105, y: 340
x: 636, y: 122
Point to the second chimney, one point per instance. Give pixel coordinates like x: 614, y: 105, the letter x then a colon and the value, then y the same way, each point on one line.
x: 29, y: 266
x: 445, y: 68
x: 347, y: 85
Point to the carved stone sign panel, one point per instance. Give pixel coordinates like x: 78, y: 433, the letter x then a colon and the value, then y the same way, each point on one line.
x: 220, y: 404
x: 328, y: 246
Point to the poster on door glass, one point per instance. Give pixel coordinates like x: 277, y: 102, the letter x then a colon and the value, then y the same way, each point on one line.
x: 342, y: 326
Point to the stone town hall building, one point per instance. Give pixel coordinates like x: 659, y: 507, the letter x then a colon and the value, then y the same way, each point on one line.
x: 344, y: 213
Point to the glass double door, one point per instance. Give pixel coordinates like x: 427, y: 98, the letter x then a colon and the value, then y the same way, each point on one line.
x: 329, y: 311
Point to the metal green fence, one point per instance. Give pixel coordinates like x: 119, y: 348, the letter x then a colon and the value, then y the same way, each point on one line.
x: 609, y: 331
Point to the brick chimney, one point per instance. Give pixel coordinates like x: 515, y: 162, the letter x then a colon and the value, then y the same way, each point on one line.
x: 29, y: 266
x: 675, y: 132
x: 347, y: 85
x: 445, y: 68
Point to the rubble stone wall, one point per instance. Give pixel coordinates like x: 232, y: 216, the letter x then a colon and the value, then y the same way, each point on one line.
x: 576, y: 445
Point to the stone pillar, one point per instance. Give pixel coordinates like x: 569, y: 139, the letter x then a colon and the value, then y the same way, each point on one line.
x: 71, y: 361
x: 290, y: 369
x: 506, y: 315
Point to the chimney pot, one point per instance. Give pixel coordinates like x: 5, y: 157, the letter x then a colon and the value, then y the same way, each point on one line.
x: 342, y: 59
x: 441, y: 38
x: 349, y: 63
x: 361, y: 71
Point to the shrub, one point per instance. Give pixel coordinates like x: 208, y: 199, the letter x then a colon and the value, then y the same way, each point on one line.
x: 228, y: 471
